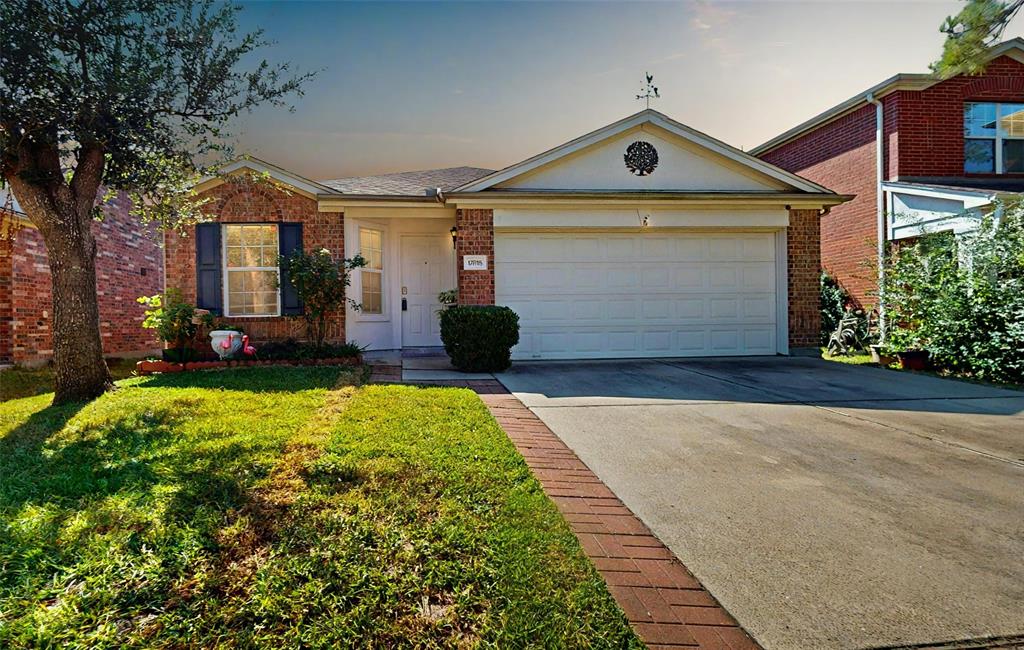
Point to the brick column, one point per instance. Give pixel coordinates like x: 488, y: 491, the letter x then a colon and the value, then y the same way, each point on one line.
x: 803, y: 250
x: 476, y: 237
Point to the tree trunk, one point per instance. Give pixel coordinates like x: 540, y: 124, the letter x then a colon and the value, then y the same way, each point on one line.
x: 80, y: 370
x: 63, y: 213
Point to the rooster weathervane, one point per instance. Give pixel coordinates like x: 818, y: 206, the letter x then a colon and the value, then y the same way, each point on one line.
x: 649, y: 91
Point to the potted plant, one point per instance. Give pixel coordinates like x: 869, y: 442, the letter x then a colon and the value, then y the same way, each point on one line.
x: 880, y: 355
x: 906, y: 343
x: 173, y: 320
x: 449, y: 298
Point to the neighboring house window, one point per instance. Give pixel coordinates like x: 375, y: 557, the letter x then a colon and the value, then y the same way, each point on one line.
x: 252, y: 274
x: 993, y: 138
x: 371, y: 247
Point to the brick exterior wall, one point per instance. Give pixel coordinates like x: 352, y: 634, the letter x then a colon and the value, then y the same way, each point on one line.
x: 250, y: 202
x: 476, y: 237
x: 931, y: 122
x: 124, y: 251
x: 923, y: 136
x: 841, y: 156
x: 803, y: 267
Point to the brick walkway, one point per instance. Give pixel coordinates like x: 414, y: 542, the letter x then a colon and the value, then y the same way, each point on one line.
x: 663, y: 602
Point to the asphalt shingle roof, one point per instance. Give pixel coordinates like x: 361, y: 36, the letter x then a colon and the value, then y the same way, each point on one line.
x: 408, y: 183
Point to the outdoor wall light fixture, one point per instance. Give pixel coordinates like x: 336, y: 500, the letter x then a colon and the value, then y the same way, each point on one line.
x: 455, y: 235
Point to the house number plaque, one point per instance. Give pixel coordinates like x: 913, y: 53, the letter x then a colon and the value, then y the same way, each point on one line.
x: 474, y: 262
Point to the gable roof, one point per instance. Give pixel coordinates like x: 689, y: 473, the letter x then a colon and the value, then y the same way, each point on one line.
x: 1013, y: 48
x: 416, y: 183
x: 647, y: 116
x: 299, y: 183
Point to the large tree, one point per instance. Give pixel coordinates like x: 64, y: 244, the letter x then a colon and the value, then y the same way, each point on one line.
x: 104, y: 95
x: 970, y: 33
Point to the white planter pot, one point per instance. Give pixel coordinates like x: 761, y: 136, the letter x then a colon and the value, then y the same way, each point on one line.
x: 225, y: 342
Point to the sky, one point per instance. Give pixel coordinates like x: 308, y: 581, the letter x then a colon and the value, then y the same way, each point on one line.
x: 405, y: 86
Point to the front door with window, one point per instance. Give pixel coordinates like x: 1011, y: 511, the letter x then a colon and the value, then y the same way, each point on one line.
x: 428, y: 268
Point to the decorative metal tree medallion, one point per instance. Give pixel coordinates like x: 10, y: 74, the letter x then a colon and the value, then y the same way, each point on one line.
x: 641, y: 158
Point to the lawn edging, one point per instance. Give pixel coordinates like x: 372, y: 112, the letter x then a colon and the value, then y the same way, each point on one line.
x: 151, y: 366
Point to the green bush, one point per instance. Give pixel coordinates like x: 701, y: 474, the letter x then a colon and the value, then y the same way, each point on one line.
x: 321, y: 283
x: 292, y: 349
x: 173, y: 319
x: 479, y: 339
x: 962, y: 299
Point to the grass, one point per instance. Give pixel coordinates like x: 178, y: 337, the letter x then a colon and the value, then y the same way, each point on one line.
x: 283, y: 507
x: 20, y: 382
x: 865, y: 360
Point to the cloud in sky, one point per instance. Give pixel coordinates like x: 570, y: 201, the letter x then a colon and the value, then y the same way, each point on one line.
x: 712, y: 23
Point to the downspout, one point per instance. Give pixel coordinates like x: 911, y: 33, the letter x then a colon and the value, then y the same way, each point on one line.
x: 880, y: 209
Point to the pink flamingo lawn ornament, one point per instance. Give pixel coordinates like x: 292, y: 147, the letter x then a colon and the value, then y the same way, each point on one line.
x: 226, y: 346
x: 246, y: 348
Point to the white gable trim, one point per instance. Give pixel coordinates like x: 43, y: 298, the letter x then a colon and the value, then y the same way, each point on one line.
x: 304, y: 186
x: 648, y: 116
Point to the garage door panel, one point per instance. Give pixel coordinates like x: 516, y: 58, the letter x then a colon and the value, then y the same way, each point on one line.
x: 635, y: 295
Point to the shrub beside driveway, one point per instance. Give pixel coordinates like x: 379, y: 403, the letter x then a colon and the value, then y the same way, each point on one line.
x: 282, y: 507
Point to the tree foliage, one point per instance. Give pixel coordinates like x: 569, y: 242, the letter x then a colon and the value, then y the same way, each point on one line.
x: 970, y: 33
x: 146, y: 86
x: 132, y: 95
x: 321, y: 283
x: 962, y: 298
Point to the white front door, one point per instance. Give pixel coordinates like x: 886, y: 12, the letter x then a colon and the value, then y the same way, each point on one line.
x: 605, y: 295
x: 428, y: 268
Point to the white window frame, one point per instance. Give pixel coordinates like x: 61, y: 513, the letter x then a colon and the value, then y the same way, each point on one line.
x: 227, y: 270
x: 997, y: 139
x: 383, y: 272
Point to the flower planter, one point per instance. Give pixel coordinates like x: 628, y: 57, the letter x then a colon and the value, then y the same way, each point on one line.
x: 150, y: 366
x: 913, y: 359
x: 878, y: 357
x: 225, y: 342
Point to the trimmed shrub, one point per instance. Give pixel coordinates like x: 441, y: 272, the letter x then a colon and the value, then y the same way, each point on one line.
x: 479, y: 338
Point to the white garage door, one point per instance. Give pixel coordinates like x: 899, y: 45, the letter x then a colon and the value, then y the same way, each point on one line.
x: 622, y: 295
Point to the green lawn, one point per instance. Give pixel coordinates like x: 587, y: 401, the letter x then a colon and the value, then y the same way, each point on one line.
x: 25, y: 382
x: 283, y: 507
x: 865, y: 360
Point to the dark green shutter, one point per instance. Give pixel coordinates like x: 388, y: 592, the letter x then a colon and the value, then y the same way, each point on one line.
x: 289, y: 237
x: 208, y: 268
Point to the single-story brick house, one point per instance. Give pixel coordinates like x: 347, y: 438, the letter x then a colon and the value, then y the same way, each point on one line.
x: 129, y: 264
x: 643, y: 238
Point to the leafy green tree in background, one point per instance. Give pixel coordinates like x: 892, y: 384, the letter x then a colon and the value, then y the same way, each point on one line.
x: 971, y: 32
x: 124, y: 95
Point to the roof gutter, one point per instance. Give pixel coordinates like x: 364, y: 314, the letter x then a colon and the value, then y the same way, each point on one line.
x: 880, y: 207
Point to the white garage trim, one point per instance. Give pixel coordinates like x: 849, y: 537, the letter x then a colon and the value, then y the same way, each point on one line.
x: 589, y: 218
x: 782, y: 291
x: 654, y: 293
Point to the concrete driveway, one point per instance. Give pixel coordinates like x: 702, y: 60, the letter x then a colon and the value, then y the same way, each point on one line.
x: 825, y: 505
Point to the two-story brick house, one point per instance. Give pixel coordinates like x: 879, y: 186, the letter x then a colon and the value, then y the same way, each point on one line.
x: 948, y: 150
